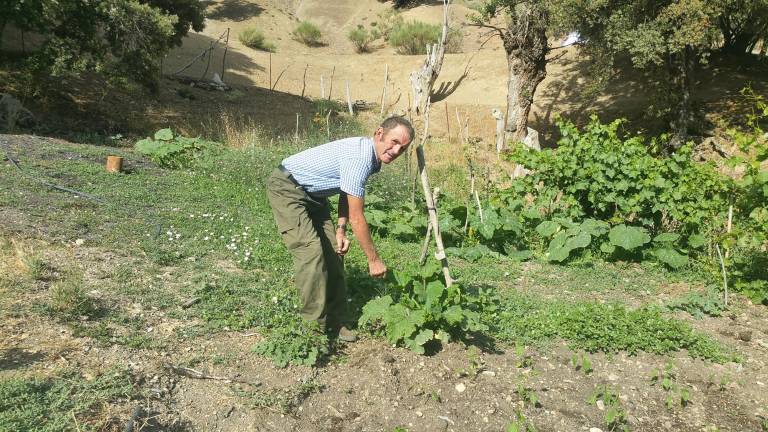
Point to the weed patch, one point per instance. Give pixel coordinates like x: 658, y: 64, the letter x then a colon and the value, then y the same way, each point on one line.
x: 61, y: 402
x: 601, y: 327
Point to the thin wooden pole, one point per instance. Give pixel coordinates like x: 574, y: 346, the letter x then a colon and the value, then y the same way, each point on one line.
x: 280, y: 75
x: 384, y: 89
x: 725, y: 276
x: 349, y: 100
x: 447, y: 122
x: 304, y: 80
x: 322, y: 87
x: 224, y: 57
x: 430, y: 199
x: 328, y: 124
x: 330, y: 86
x: 270, y: 71
x: 425, y: 245
x: 296, y: 134
x: 729, y: 227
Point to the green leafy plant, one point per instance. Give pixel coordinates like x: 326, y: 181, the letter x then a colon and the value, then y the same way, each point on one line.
x: 298, y: 345
x: 307, y: 33
x: 698, y: 304
x: 361, y: 38
x: 582, y: 362
x: 520, y: 424
x: 615, y: 417
x: 527, y: 395
x: 176, y: 151
x: 254, y: 38
x: 422, y: 309
x: 677, y: 395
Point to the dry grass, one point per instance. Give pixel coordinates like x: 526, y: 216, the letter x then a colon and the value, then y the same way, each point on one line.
x: 235, y: 130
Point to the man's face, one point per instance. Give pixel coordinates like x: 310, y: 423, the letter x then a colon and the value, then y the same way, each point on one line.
x: 391, y: 144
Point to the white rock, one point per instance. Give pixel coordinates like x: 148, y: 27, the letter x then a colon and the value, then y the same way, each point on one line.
x: 595, y: 430
x: 460, y: 387
x: 489, y: 373
x: 600, y: 405
x: 79, y: 242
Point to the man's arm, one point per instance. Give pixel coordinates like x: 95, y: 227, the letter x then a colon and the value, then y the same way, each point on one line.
x: 356, y: 216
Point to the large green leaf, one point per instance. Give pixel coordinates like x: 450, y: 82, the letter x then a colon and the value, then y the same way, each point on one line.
x: 435, y: 290
x: 454, y: 314
x: 671, y: 257
x: 487, y: 230
x: 580, y: 240
x: 557, y: 250
x: 594, y: 227
x: 375, y: 310
x: 666, y: 238
x: 401, y: 323
x: 628, y: 237
x: 547, y: 228
x: 696, y: 241
x: 164, y: 135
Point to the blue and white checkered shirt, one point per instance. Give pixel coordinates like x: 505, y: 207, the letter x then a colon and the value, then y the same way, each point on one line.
x: 338, y: 166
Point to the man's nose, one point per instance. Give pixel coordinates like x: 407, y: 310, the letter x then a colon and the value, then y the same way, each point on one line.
x: 397, y: 149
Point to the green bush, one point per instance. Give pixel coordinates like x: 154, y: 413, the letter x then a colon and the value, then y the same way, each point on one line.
x: 253, y: 38
x: 307, y: 33
x: 171, y: 151
x: 362, y: 38
x: 413, y: 37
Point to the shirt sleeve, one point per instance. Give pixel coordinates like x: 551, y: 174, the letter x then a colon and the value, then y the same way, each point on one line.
x: 353, y: 174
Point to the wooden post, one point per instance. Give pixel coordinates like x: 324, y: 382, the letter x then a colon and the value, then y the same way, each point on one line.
x: 114, y: 164
x: 296, y: 134
x: 270, y: 71
x: 322, y: 87
x: 349, y: 100
x: 447, y: 123
x: 425, y: 245
x: 304, y: 80
x: 328, y: 124
x: 384, y: 89
x: 330, y: 86
x: 430, y: 199
x: 224, y: 57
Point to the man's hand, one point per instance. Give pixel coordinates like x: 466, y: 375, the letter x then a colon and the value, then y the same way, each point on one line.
x: 377, y: 268
x: 342, y: 242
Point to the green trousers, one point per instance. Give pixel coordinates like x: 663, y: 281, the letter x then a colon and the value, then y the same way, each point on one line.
x: 308, y: 232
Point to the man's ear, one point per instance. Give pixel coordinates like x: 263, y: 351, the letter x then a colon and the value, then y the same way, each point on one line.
x: 379, y: 132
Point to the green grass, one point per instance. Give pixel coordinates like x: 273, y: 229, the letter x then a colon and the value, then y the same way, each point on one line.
x: 254, y: 38
x: 67, y: 401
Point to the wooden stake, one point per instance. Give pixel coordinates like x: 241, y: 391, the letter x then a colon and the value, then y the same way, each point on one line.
x: 330, y: 86
x: 224, y: 57
x: 384, y: 89
x: 728, y: 228
x: 431, y: 206
x: 270, y: 71
x: 304, y: 80
x: 322, y: 87
x: 725, y: 276
x: 349, y: 100
x: 279, y: 76
x: 425, y: 245
x: 328, y: 124
x: 447, y: 123
x: 296, y: 134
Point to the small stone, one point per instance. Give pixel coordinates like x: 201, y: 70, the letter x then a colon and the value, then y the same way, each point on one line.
x: 419, y: 414
x: 600, y: 405
x: 745, y: 335
x: 79, y: 242
x: 489, y: 373
x: 612, y: 377
x: 460, y: 387
x: 594, y: 429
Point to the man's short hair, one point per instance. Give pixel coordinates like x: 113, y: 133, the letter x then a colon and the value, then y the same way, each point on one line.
x: 396, y: 121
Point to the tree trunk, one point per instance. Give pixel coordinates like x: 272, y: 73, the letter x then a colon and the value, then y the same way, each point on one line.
x: 682, y: 70
x: 741, y: 43
x: 526, y: 46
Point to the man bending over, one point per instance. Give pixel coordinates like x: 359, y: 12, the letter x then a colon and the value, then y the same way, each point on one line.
x: 298, y: 192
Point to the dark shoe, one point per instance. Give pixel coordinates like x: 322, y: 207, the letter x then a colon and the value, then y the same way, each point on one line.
x: 347, y: 335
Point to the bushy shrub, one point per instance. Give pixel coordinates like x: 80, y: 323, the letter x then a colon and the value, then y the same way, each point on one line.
x: 362, y: 38
x: 253, y: 38
x: 414, y: 36
x: 177, y: 151
x: 307, y: 33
